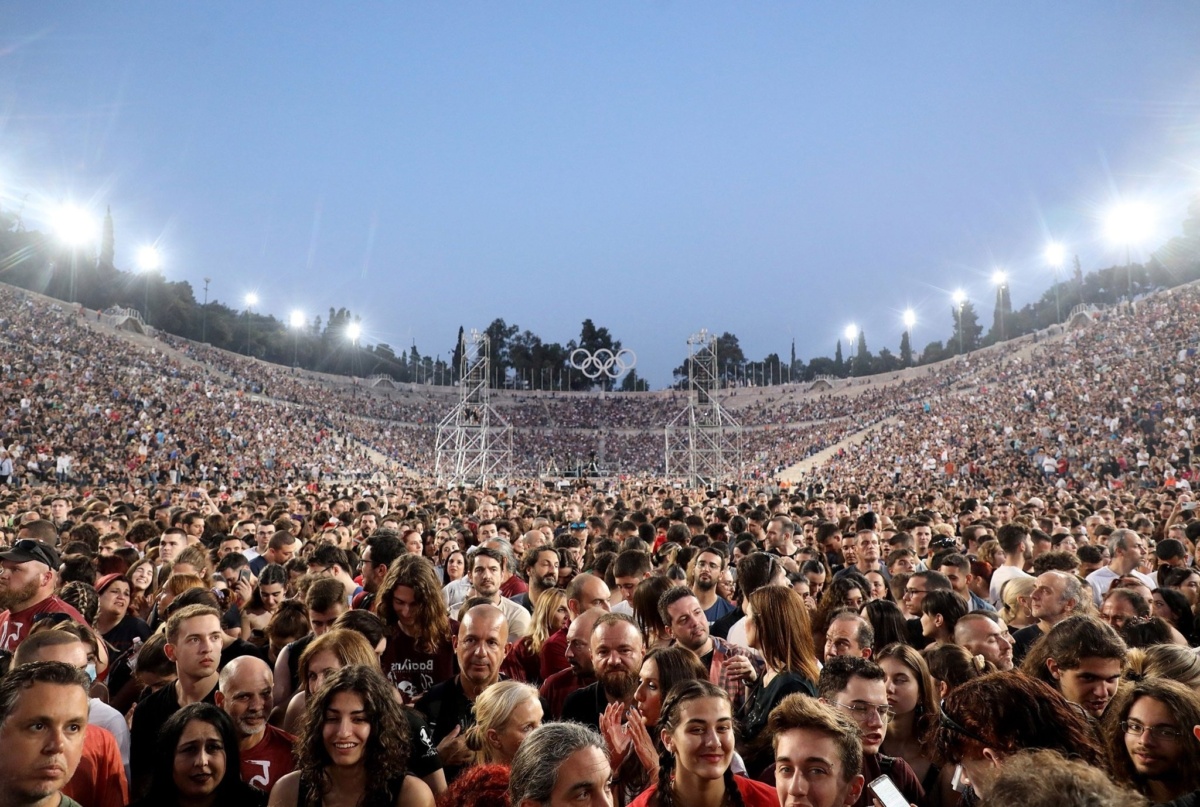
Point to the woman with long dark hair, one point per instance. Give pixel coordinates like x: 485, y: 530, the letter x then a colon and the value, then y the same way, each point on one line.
x: 198, y: 764
x: 696, y: 731
x: 353, y: 748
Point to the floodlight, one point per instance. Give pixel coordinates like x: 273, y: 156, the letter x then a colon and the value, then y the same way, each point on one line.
x: 297, y: 319
x: 910, y: 318
x: 1055, y: 254
x: 851, y: 332
x: 959, y: 296
x: 999, y: 277
x: 74, y: 226
x: 1129, y: 223
x: 251, y: 300
x: 354, y: 330
x: 149, y: 259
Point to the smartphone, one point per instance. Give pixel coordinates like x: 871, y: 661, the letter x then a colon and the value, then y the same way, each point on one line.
x: 1188, y: 506
x: 244, y: 574
x: 888, y: 794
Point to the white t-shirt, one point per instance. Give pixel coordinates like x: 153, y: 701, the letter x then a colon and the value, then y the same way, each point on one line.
x: 999, y: 578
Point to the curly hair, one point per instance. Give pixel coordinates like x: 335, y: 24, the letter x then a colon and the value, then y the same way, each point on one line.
x: 478, y: 786
x: 433, y: 617
x: 1182, y: 703
x: 834, y: 599
x: 387, y: 748
x: 683, y: 693
x: 1048, y: 779
x: 1035, y: 716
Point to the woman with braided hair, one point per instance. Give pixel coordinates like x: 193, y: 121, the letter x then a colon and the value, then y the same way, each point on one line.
x: 696, y: 728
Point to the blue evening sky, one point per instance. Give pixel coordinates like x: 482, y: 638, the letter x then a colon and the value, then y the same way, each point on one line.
x: 776, y: 170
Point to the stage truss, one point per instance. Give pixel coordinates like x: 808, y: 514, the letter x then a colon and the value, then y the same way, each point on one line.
x: 474, y: 442
x: 703, y: 442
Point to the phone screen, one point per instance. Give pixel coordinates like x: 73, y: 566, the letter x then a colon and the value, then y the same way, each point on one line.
x: 888, y: 794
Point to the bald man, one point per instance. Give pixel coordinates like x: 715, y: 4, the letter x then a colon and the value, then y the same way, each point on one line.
x: 447, y: 708
x: 244, y: 692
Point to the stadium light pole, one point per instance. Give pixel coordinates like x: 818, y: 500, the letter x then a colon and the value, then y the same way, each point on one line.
x: 149, y: 260
x: 353, y: 332
x: 297, y: 322
x: 1055, y: 255
x: 75, y: 228
x: 851, y: 333
x: 1000, y: 279
x: 1129, y: 224
x: 251, y: 301
x: 910, y: 320
x: 960, y: 299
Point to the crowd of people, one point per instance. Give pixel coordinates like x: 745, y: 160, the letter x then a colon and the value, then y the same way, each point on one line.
x: 224, y: 582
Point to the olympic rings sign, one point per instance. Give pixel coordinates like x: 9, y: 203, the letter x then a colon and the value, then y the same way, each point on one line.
x: 603, y: 362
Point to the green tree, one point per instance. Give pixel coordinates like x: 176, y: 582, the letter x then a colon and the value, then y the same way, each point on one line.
x: 861, y: 364
x: 966, y: 328
x: 906, y: 354
x: 839, y: 366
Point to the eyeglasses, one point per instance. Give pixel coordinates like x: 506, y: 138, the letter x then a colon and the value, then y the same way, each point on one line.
x: 1157, y: 732
x: 912, y: 592
x: 861, y: 712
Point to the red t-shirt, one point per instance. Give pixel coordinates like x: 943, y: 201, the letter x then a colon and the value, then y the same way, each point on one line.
x: 15, y: 625
x: 270, y: 760
x: 554, y: 653
x: 754, y: 794
x: 100, y: 778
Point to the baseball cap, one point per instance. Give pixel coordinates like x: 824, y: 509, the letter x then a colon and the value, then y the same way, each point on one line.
x: 106, y: 581
x: 28, y: 549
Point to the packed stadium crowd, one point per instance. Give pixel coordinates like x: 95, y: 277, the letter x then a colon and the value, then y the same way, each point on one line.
x: 223, y: 583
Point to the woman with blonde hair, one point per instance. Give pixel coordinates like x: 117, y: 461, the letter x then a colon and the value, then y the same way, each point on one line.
x: 523, y: 662
x: 505, y: 713
x: 1168, y: 661
x: 1016, y: 611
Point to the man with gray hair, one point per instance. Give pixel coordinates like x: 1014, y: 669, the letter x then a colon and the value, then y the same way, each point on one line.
x: 1127, y: 549
x: 561, y: 764
x: 244, y: 693
x: 1056, y: 596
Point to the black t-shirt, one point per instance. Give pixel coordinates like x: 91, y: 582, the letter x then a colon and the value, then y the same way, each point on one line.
x: 707, y: 658
x: 126, y: 632
x: 152, y: 711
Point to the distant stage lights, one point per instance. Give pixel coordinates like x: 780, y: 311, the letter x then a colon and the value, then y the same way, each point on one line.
x: 74, y: 226
x: 149, y: 259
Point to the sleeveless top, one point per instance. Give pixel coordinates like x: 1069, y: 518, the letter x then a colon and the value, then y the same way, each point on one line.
x: 387, y: 799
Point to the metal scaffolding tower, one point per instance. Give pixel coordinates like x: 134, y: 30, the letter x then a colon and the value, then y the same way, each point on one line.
x: 704, y: 442
x: 474, y: 443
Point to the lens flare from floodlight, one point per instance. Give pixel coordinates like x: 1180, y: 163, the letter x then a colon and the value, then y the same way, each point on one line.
x: 251, y: 300
x: 353, y: 330
x: 910, y: 318
x: 297, y: 319
x: 149, y: 259
x: 75, y: 226
x: 1055, y: 255
x: 851, y: 332
x: 999, y: 277
x: 1129, y: 224
x: 959, y: 297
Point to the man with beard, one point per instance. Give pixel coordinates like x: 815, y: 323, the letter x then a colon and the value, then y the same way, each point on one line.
x: 540, y: 565
x: 244, y: 692
x: 487, y: 572
x: 580, y: 672
x: 617, y: 652
x: 28, y: 572
x: 729, y: 666
x: 982, y: 635
x: 710, y: 563
x: 448, y: 707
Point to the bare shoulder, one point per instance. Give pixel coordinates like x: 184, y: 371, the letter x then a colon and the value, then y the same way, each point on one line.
x: 286, y: 791
x: 413, y: 793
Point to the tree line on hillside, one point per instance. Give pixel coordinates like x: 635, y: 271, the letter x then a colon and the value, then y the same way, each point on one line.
x: 520, y: 358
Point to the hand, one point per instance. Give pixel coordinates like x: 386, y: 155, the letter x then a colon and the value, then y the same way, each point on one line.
x: 452, y: 750
x: 616, y: 734
x: 643, y: 745
x: 741, y: 668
